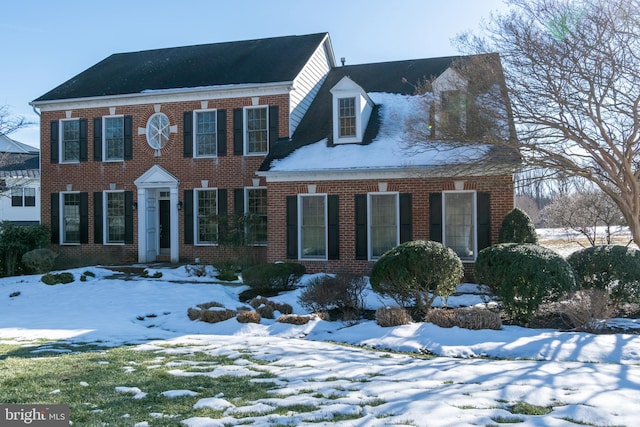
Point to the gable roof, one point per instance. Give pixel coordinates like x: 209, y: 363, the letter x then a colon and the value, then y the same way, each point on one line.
x: 269, y: 60
x: 8, y: 145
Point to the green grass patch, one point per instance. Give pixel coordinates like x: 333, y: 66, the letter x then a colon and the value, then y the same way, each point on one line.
x: 87, y: 382
x: 525, y: 408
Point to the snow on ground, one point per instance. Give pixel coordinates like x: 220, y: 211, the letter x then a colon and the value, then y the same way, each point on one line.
x: 585, y: 378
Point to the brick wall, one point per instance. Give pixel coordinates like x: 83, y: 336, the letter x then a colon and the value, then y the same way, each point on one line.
x: 93, y: 176
x: 502, y: 201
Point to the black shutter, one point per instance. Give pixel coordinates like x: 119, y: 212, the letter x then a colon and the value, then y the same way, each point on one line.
x: 84, y: 217
x: 292, y: 227
x: 406, y: 229
x: 128, y: 137
x: 483, y: 204
x: 238, y: 201
x: 84, y: 153
x: 435, y: 217
x: 221, y: 132
x: 55, y: 218
x: 187, y: 133
x: 97, y: 140
x: 273, y: 125
x: 97, y: 218
x: 362, y: 251
x: 128, y: 217
x: 223, y: 218
x: 54, y: 137
x: 188, y: 216
x: 333, y: 222
x: 238, y: 132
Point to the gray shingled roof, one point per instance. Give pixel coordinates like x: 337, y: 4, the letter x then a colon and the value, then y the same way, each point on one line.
x: 269, y: 60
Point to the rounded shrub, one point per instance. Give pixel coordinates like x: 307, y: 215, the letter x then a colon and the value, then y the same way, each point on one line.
x: 39, y: 260
x: 614, y: 268
x: 517, y: 227
x: 523, y: 276
x: 392, y: 316
x: 416, y: 272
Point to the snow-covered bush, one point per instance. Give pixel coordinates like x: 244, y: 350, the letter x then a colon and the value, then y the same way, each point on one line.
x: 615, y: 269
x: 523, y: 276
x: 415, y: 273
x: 211, y: 312
x: 517, y: 227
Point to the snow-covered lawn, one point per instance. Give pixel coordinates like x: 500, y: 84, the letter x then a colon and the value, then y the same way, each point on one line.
x: 475, y: 379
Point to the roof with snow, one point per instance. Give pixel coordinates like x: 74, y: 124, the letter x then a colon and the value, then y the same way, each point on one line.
x: 386, y: 143
x: 18, y: 160
x: 269, y: 60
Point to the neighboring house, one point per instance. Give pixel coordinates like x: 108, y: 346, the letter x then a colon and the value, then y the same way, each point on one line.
x: 147, y: 154
x: 19, y: 182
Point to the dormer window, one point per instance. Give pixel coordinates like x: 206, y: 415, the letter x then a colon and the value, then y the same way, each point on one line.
x: 347, y: 117
x: 351, y: 111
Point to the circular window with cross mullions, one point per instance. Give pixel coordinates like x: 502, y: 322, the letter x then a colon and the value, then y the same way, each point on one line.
x: 158, y: 128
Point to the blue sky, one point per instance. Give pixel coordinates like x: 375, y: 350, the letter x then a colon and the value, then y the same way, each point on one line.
x: 46, y: 43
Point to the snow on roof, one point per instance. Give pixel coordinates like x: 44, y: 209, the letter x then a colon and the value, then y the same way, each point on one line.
x: 389, y: 149
x: 8, y: 145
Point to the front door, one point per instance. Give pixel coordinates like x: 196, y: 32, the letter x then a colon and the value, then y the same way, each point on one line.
x: 165, y: 226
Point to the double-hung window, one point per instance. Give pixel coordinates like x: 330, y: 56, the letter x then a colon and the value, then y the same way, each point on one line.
x: 460, y: 223
x: 257, y: 130
x: 207, y: 216
x: 70, y: 140
x: 205, y: 135
x: 115, y: 217
x: 70, y: 217
x: 313, y: 226
x: 347, y: 117
x: 23, y: 196
x: 113, y: 142
x: 256, y: 216
x: 384, y: 229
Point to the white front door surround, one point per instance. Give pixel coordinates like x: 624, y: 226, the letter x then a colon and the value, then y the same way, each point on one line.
x: 150, y: 184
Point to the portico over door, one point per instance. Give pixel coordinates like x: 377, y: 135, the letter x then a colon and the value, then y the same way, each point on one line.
x: 154, y: 185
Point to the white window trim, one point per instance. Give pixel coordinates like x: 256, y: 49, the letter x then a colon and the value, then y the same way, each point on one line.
x: 337, y: 139
x: 326, y: 226
x: 61, y: 216
x: 195, y: 133
x: 196, y: 224
x: 245, y: 130
x: 369, y: 240
x: 61, y: 143
x: 105, y: 219
x: 104, y: 138
x: 474, y: 208
x: 246, y: 208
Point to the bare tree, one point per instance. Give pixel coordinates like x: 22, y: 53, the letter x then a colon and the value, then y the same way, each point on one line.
x: 572, y: 69
x: 9, y: 123
x: 585, y: 212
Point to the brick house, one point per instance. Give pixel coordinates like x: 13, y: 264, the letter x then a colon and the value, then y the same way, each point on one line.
x: 146, y: 156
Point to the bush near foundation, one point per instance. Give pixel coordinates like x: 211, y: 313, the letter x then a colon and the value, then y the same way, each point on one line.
x: 614, y: 269
x: 341, y: 292
x: 523, y: 276
x: 415, y: 273
x: 270, y: 279
x: 517, y: 227
x: 39, y: 261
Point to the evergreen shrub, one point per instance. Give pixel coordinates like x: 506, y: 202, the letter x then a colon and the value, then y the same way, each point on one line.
x: 517, y: 227
x: 523, y: 276
x: 57, y: 278
x: 613, y: 268
x: 415, y: 273
x: 39, y: 260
